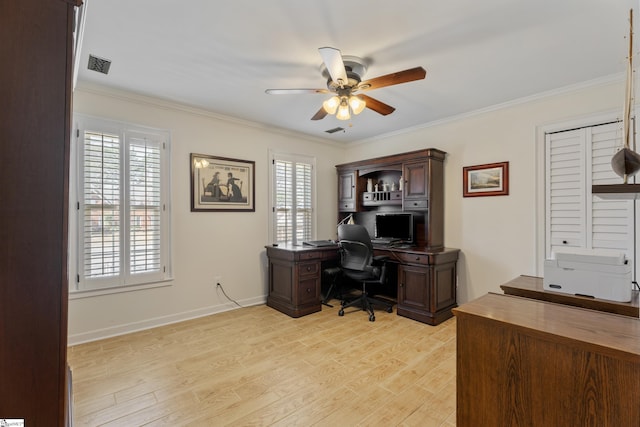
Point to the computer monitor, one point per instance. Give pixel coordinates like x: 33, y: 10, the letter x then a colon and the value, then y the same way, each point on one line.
x: 396, y: 226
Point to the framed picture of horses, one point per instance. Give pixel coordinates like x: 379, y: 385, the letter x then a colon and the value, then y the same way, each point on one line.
x: 222, y: 184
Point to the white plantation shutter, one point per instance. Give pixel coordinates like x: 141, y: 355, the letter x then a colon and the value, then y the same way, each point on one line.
x: 102, y: 219
x: 123, y: 222
x: 293, y: 213
x: 283, y: 201
x: 611, y: 223
x: 575, y: 160
x: 144, y: 207
x: 304, y: 209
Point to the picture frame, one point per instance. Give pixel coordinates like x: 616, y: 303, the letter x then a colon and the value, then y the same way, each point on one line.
x: 222, y: 184
x: 491, y: 179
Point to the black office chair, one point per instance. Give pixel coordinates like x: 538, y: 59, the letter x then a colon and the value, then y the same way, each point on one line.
x: 358, y: 263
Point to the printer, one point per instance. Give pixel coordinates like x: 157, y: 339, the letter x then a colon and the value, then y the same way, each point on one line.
x: 597, y: 273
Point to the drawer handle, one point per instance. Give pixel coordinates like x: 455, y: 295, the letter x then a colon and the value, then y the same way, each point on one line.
x: 417, y: 258
x: 415, y: 203
x: 308, y: 268
x: 308, y: 290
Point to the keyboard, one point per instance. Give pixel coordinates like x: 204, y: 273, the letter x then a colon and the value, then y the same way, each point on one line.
x: 318, y: 243
x: 383, y: 242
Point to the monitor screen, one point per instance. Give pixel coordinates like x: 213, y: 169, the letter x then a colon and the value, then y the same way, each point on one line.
x: 394, y: 226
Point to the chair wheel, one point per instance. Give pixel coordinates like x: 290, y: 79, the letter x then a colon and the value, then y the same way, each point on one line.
x: 390, y: 310
x: 372, y: 318
x: 341, y: 312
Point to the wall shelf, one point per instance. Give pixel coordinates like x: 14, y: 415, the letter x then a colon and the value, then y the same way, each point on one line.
x: 617, y: 191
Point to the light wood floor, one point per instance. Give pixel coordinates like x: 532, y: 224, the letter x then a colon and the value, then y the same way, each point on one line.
x: 258, y: 367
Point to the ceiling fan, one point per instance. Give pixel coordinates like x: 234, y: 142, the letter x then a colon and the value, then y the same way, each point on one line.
x: 344, y: 80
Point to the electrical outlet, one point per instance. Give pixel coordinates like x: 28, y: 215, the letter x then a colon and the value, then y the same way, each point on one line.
x: 216, y: 280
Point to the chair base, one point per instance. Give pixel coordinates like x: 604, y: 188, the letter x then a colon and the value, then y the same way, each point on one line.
x: 366, y: 303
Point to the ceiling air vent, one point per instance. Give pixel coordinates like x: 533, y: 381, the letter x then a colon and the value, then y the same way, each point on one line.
x: 334, y: 130
x: 99, y: 64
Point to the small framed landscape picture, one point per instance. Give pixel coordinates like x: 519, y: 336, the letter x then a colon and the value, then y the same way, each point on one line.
x: 222, y: 184
x: 486, y: 180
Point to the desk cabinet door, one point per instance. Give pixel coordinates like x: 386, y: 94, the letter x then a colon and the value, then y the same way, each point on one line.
x: 413, y: 287
x: 347, y: 192
x: 415, y: 180
x: 444, y: 286
x: 281, y: 280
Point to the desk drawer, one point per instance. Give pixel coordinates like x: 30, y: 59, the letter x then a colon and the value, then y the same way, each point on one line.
x: 416, y: 204
x: 310, y: 255
x: 308, y: 268
x: 409, y: 258
x: 308, y: 291
x: 347, y: 206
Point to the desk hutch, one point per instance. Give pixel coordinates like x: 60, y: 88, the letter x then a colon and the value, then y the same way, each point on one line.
x: 426, y: 279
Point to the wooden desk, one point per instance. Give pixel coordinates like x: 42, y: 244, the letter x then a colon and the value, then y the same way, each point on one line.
x: 426, y: 280
x: 523, y: 362
x: 295, y: 274
x: 531, y: 287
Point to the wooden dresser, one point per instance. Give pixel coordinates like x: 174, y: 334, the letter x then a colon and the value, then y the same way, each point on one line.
x: 524, y: 362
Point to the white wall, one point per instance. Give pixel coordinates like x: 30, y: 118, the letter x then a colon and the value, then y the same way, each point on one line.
x: 205, y: 244
x: 497, y: 235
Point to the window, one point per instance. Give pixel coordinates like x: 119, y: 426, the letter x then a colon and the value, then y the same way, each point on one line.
x: 293, y: 214
x: 122, y: 205
x: 575, y: 160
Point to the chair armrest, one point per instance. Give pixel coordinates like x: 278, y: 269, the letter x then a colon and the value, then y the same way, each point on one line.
x: 380, y: 259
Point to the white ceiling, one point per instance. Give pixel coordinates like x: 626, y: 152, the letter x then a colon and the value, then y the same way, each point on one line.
x: 221, y: 55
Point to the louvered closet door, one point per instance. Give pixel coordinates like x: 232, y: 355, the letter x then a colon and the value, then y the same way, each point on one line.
x: 575, y: 160
x: 611, y: 222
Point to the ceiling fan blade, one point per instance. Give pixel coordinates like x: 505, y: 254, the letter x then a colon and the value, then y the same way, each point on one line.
x: 320, y: 114
x: 332, y: 59
x: 294, y: 91
x: 377, y: 106
x: 405, y: 76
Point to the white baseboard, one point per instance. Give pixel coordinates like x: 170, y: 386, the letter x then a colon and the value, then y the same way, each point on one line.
x: 142, y: 325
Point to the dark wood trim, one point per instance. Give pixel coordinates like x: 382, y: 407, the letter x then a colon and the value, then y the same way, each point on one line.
x: 33, y: 220
x: 395, y: 159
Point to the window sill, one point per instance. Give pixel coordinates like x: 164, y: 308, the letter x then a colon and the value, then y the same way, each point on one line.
x: 88, y: 293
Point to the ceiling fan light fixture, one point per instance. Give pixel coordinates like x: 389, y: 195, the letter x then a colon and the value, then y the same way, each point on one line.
x: 343, y: 110
x: 331, y: 104
x: 357, y: 104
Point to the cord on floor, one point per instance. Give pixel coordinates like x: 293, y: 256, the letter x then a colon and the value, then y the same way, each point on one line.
x: 219, y: 286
